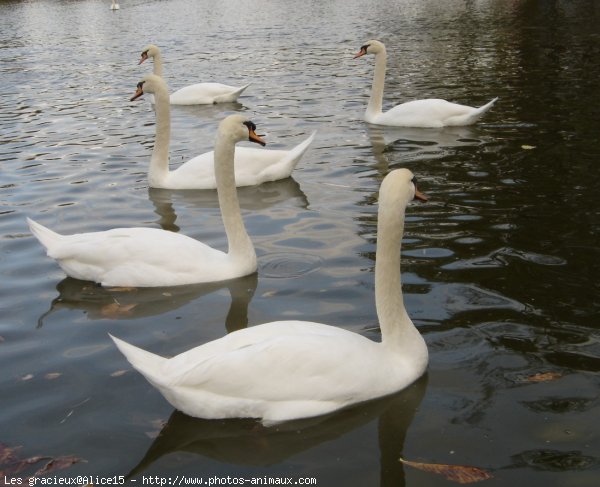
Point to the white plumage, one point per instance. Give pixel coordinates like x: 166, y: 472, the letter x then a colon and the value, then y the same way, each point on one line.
x: 295, y: 369
x: 196, y: 94
x: 252, y: 165
x: 429, y: 113
x: 149, y: 257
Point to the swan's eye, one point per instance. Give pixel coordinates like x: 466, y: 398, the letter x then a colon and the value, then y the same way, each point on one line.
x: 140, y: 85
x: 364, y: 48
x: 250, y: 125
x: 414, y: 180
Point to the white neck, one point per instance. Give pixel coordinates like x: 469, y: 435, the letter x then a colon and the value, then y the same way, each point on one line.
x: 159, y: 163
x: 397, y: 330
x: 240, y: 245
x: 157, y: 67
x: 376, y: 101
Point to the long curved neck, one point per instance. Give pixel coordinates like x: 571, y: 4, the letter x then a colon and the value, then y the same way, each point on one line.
x: 397, y: 329
x: 376, y: 100
x: 240, y: 245
x: 159, y: 163
x: 157, y: 67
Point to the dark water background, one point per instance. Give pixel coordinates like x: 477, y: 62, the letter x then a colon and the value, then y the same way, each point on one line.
x: 500, y: 267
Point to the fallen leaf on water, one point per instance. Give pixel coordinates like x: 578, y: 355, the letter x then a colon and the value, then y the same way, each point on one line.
x: 122, y: 289
x: 528, y: 147
x: 461, y: 474
x: 27, y: 377
x: 58, y: 464
x: 118, y: 373
x: 543, y: 377
x: 269, y: 294
x: 7, y: 454
x: 11, y: 464
x: 116, y: 310
x: 52, y: 375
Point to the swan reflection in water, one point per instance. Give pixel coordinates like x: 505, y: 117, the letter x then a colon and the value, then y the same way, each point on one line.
x: 259, y: 197
x: 418, y: 142
x: 98, y: 302
x: 247, y: 442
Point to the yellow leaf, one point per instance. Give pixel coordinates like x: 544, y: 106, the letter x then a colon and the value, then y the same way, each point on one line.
x: 544, y: 377
x: 461, y: 474
x: 53, y: 375
x: 528, y: 147
x: 118, y: 373
x: 116, y: 310
x: 122, y: 289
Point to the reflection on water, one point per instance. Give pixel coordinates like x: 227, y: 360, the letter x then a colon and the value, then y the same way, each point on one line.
x: 254, y: 198
x: 247, y: 442
x: 119, y: 303
x: 499, y: 267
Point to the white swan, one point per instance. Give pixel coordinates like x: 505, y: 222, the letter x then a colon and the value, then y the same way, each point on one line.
x: 197, y: 94
x: 149, y: 257
x: 295, y: 369
x: 252, y: 166
x: 418, y: 113
x: 114, y: 5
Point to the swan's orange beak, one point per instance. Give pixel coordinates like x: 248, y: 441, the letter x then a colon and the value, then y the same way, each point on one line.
x: 252, y: 137
x: 139, y: 91
x: 144, y: 57
x: 360, y: 53
x: 420, y: 196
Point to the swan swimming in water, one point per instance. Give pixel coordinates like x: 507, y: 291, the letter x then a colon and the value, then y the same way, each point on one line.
x: 252, y: 166
x: 150, y: 257
x: 196, y: 94
x: 287, y: 370
x: 432, y: 113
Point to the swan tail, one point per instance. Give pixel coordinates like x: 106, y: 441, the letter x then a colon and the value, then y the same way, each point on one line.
x: 146, y: 363
x: 478, y: 113
x: 295, y: 154
x: 46, y: 236
x: 231, y: 97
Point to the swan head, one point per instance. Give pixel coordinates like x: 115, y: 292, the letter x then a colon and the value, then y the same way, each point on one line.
x: 149, y: 84
x: 149, y: 51
x: 370, y: 47
x: 401, y: 185
x: 238, y: 127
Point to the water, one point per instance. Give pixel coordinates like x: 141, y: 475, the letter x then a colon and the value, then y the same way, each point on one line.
x: 499, y: 268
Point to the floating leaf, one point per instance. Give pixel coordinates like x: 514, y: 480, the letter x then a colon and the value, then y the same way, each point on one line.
x: 528, y: 147
x: 116, y: 310
x: 122, y: 289
x: 27, y: 377
x: 52, y: 375
x: 118, y: 373
x: 461, y: 474
x: 544, y: 377
x: 58, y: 464
x: 7, y: 454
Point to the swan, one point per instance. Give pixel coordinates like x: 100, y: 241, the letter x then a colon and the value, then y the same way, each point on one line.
x: 197, y: 94
x: 114, y: 5
x: 150, y: 257
x: 252, y: 166
x: 287, y: 370
x: 418, y: 113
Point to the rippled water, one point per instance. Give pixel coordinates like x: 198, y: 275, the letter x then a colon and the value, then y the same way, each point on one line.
x: 500, y: 267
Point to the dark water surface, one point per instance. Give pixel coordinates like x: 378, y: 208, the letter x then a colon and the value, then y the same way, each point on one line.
x: 500, y: 267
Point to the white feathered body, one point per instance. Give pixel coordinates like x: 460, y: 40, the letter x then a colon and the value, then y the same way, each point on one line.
x: 428, y: 113
x: 277, y: 371
x: 206, y: 94
x: 252, y: 166
x: 143, y: 257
